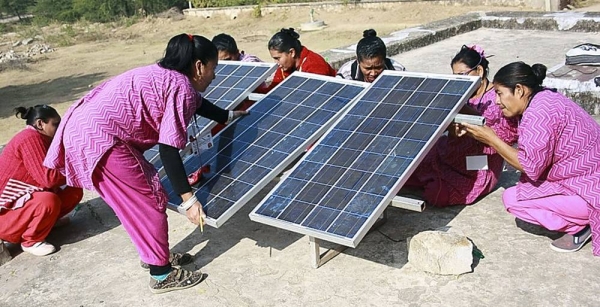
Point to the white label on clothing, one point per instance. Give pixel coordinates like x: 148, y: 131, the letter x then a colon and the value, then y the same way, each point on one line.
x: 195, y: 147
x: 205, y: 142
x: 475, y: 163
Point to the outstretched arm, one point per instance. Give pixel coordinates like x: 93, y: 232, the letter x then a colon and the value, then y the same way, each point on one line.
x: 213, y: 112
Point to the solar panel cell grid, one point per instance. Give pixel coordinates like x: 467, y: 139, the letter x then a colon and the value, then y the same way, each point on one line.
x: 248, y: 153
x: 341, y: 186
x: 233, y: 82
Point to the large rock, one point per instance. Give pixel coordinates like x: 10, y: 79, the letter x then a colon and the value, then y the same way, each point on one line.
x: 4, y: 254
x: 438, y: 252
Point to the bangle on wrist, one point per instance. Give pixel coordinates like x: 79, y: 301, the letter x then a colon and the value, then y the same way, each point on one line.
x: 188, y: 203
x: 229, y: 117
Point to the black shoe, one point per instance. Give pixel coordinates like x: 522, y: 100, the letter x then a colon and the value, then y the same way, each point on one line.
x: 176, y: 259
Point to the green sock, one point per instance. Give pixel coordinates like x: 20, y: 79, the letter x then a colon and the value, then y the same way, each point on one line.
x: 161, y: 277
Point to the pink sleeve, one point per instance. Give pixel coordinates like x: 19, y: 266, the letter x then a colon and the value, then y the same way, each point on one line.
x: 537, y: 139
x: 179, y: 109
x: 505, y: 128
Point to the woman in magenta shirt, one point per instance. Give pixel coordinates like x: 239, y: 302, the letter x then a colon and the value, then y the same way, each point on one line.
x: 558, y: 155
x: 100, y: 144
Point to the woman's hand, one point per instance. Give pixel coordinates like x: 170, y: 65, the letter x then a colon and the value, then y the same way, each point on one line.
x: 483, y: 134
x: 195, y: 214
x: 486, y: 135
x: 454, y: 130
x: 237, y: 114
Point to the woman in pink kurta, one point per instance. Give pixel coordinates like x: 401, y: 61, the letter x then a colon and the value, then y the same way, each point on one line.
x: 443, y: 176
x: 558, y: 156
x: 101, y: 140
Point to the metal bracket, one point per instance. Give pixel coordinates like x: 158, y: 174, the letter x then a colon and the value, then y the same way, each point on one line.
x: 408, y: 203
x: 317, y: 258
x: 255, y: 96
x: 470, y: 119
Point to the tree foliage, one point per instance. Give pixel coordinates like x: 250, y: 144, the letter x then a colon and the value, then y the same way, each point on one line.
x: 110, y: 10
x: 223, y: 3
x: 100, y: 10
x: 15, y: 7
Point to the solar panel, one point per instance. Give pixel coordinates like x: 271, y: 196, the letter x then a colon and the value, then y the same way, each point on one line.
x: 250, y: 152
x: 233, y: 82
x: 339, y: 189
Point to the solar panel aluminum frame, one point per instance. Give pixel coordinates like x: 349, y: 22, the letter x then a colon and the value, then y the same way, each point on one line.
x: 372, y: 219
x: 188, y: 147
x: 289, y: 159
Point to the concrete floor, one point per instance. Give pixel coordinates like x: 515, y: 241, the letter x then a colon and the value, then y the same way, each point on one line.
x: 250, y: 264
x: 501, y: 46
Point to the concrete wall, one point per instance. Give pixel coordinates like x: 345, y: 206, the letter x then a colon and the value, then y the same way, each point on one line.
x: 414, y: 38
x: 332, y: 6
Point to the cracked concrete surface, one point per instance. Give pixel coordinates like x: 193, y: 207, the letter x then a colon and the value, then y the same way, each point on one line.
x: 250, y: 264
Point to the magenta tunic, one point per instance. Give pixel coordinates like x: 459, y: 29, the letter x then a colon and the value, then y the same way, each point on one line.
x: 140, y: 108
x: 100, y: 142
x: 559, y: 150
x: 443, y: 173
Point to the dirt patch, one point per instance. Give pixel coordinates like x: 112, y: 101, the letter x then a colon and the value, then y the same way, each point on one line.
x: 70, y: 71
x: 173, y: 13
x: 253, y: 38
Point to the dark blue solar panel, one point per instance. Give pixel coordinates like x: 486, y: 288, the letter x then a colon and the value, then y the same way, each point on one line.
x: 350, y: 175
x: 255, y: 148
x: 233, y: 80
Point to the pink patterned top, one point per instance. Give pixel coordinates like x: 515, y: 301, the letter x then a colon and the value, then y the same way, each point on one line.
x: 244, y: 57
x: 446, y: 162
x: 141, y: 107
x: 559, y: 150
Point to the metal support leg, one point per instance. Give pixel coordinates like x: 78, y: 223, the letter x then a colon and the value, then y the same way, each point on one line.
x: 317, y: 259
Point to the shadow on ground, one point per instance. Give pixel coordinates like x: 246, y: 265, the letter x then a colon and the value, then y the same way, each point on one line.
x: 47, y: 92
x: 92, y: 218
x: 238, y: 228
x: 385, y: 245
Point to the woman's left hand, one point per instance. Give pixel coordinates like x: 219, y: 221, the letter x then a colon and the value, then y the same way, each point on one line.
x: 483, y: 134
x: 237, y: 114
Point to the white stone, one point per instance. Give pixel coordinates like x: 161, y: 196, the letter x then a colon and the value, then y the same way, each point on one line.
x: 438, y: 252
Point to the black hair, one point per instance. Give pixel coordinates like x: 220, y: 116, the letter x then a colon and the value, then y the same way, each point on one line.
x: 225, y: 42
x: 470, y: 57
x: 520, y: 73
x: 370, y: 46
x: 32, y: 114
x: 284, y: 40
x: 184, y: 49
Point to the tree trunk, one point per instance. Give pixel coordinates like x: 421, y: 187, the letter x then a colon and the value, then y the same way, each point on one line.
x: 16, y: 13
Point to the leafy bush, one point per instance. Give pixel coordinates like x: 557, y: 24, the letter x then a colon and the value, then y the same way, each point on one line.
x: 70, y: 11
x: 225, y: 3
x: 100, y: 10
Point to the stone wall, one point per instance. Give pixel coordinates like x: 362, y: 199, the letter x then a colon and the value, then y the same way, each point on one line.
x: 332, y: 6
